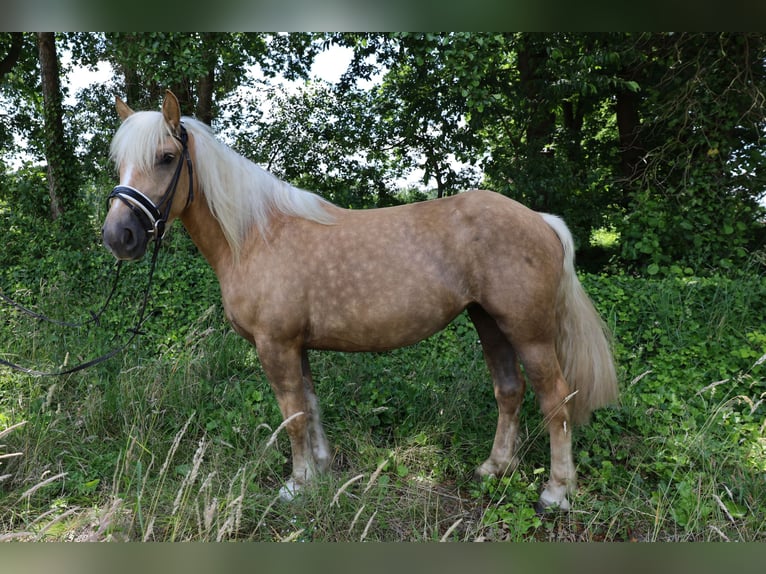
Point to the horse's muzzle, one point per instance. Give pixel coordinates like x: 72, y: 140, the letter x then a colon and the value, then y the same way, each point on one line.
x: 126, y: 239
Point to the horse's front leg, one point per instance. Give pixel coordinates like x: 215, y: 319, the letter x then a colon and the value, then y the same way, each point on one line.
x: 283, y: 366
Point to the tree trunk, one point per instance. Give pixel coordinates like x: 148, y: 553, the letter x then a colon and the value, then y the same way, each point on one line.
x: 132, y: 90
x: 541, y: 121
x: 204, y: 107
x: 206, y: 81
x: 55, y: 141
x: 10, y: 59
x: 628, y: 124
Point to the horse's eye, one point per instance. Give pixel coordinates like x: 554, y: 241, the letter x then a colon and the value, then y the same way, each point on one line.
x: 166, y: 158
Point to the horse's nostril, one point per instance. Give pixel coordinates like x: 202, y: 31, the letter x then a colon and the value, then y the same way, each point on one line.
x: 125, y: 241
x: 128, y: 238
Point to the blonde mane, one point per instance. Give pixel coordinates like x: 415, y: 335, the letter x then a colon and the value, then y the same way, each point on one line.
x: 240, y: 194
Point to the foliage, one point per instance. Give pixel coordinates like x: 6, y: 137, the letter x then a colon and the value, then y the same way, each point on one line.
x: 656, y: 135
x: 318, y: 139
x: 510, y: 513
x: 20, y: 93
x: 694, y: 199
x: 421, y: 102
x: 692, y: 352
x: 173, y: 440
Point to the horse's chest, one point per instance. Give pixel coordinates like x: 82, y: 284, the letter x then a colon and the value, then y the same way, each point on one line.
x: 238, y: 325
x: 237, y: 313
x: 254, y: 314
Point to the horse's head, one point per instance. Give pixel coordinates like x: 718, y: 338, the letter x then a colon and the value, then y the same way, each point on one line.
x: 156, y: 182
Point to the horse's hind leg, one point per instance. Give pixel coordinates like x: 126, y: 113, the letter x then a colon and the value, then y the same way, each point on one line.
x: 319, y: 445
x: 509, y: 392
x: 542, y: 369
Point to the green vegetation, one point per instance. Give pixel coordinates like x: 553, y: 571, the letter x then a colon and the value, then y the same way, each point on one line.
x: 650, y: 145
x: 179, y: 438
x: 657, y: 136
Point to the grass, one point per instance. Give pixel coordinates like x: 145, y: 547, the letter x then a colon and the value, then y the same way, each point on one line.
x: 180, y: 438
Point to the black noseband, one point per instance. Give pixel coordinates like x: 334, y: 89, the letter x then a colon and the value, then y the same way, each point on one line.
x: 145, y: 209
x: 142, y: 207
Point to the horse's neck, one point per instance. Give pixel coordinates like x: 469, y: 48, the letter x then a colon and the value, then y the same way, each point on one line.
x: 207, y: 235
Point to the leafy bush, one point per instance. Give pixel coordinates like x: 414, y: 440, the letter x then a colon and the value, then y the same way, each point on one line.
x: 682, y: 457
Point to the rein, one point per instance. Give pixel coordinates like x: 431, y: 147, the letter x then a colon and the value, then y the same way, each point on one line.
x: 148, y: 213
x: 95, y: 318
x: 134, y: 331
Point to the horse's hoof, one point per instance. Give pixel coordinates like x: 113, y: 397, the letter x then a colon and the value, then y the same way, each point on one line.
x: 484, y: 470
x: 541, y: 509
x: 543, y: 506
x: 479, y: 476
x: 289, y: 491
x: 495, y: 468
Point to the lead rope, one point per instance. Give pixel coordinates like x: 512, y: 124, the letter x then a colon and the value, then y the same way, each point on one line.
x: 129, y: 196
x: 134, y: 331
x: 94, y: 317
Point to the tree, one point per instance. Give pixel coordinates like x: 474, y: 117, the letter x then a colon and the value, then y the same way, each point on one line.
x: 12, y: 46
x: 200, y: 68
x: 19, y: 82
x: 318, y: 139
x: 420, y: 104
x: 62, y: 180
x: 692, y: 195
x: 658, y: 135
x: 12, y: 55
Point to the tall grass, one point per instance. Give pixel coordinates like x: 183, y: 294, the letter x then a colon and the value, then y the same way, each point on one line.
x: 180, y: 438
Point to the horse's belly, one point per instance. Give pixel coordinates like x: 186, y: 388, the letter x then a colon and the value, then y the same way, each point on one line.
x: 379, y: 326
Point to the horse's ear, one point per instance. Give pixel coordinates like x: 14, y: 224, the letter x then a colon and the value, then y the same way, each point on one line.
x: 123, y: 110
x: 171, y: 110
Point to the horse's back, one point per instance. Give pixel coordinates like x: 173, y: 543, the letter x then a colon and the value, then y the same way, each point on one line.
x: 383, y: 278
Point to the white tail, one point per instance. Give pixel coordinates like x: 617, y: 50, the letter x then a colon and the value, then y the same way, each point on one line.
x: 583, y: 341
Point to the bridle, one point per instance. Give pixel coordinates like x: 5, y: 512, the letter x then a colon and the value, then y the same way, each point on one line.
x: 145, y: 209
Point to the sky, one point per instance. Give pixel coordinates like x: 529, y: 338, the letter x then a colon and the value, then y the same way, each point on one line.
x: 328, y: 65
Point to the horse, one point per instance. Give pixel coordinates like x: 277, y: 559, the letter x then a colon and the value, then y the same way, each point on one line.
x: 299, y: 273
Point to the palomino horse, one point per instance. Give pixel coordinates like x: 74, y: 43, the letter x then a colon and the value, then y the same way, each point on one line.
x: 299, y: 273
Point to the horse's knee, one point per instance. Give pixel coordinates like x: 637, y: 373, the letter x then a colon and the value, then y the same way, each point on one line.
x: 509, y: 395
